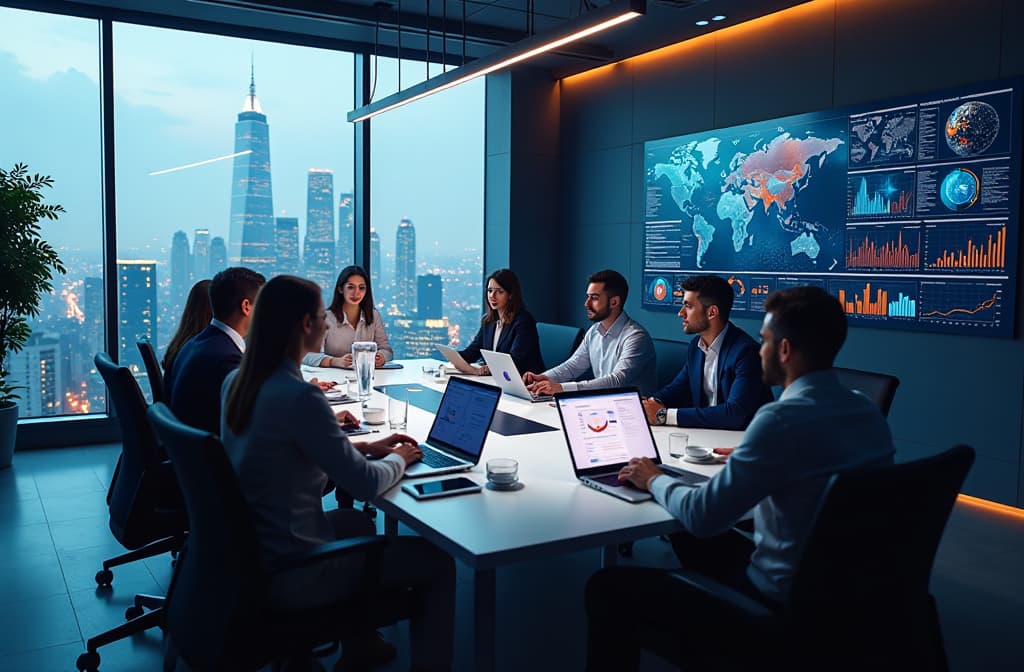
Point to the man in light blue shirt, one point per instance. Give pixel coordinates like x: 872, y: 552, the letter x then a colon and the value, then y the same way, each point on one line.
x: 617, y: 349
x: 780, y: 470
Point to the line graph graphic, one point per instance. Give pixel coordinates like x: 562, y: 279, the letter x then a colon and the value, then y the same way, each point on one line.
x: 962, y: 304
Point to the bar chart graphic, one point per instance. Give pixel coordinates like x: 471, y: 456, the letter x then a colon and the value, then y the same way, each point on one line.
x: 876, y: 300
x: 966, y: 247
x: 889, y: 194
x: 883, y: 248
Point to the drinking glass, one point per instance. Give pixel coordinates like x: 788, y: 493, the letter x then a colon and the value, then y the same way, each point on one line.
x: 398, y: 414
x: 363, y: 355
x: 677, y: 442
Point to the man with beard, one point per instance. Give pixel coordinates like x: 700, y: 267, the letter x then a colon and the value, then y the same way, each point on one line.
x: 617, y: 349
x: 719, y: 386
x: 781, y: 470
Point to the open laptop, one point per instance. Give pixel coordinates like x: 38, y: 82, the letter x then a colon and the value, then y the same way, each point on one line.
x: 456, y: 439
x: 456, y: 360
x: 508, y: 378
x: 605, y: 429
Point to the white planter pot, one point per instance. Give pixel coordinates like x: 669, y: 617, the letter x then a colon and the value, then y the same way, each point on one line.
x: 8, y: 432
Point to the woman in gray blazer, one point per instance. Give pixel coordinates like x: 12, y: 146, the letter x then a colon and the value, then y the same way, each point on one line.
x: 285, y: 442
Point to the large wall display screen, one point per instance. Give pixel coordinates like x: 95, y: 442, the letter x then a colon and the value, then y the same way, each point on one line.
x: 907, y: 211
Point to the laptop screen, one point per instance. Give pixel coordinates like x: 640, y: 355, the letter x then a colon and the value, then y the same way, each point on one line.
x: 605, y: 428
x: 464, y: 417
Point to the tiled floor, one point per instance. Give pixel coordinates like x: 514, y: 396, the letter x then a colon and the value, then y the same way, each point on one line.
x: 53, y: 537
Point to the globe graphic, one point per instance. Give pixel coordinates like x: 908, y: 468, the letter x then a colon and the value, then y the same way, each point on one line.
x: 959, y: 189
x: 972, y: 128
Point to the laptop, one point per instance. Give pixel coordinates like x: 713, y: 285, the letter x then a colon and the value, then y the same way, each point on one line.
x: 604, y: 430
x: 456, y: 439
x: 456, y: 360
x: 508, y: 378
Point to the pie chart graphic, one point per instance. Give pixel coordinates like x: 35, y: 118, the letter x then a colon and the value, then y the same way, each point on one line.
x: 659, y: 289
x: 597, y: 423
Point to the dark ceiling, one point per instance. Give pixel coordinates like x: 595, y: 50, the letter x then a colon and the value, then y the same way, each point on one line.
x: 386, y: 26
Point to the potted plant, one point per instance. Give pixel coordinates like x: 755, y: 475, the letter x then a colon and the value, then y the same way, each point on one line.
x: 27, y: 264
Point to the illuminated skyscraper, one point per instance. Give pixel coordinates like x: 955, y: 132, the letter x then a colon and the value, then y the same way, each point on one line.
x: 180, y: 271
x: 429, y: 297
x: 405, y: 267
x: 318, y: 253
x: 375, y: 259
x: 136, y: 283
x: 36, y: 367
x: 413, y: 338
x: 218, y: 256
x: 346, y: 232
x: 287, y: 243
x: 201, y: 255
x: 252, y: 205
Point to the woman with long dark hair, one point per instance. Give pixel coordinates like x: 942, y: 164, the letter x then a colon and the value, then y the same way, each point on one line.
x: 351, y: 317
x: 285, y: 442
x: 506, y: 326
x: 194, y: 318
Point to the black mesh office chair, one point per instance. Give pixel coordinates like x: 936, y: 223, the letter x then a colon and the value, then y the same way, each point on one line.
x: 147, y: 515
x: 557, y: 342
x: 218, y: 614
x: 860, y: 597
x: 153, y: 370
x: 878, y: 387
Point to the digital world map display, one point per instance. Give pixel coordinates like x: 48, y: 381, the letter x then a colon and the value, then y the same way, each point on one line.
x: 907, y: 211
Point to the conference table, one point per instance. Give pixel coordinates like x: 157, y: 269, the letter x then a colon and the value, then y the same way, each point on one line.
x: 553, y: 513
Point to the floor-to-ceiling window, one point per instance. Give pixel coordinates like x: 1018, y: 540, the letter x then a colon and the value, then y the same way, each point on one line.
x: 50, y: 120
x: 228, y: 152
x: 427, y: 205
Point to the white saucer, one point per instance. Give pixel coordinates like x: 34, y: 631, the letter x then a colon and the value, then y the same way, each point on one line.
x: 367, y: 422
x: 710, y: 459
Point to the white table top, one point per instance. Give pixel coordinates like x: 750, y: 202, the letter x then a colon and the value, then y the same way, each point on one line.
x: 552, y: 513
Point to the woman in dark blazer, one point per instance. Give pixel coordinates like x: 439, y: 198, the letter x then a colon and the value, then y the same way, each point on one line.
x: 507, y: 326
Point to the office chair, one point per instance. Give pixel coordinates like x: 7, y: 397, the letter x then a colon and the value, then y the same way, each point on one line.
x: 218, y: 613
x: 153, y: 370
x: 860, y: 597
x: 147, y: 515
x: 671, y: 355
x: 557, y: 342
x: 878, y: 387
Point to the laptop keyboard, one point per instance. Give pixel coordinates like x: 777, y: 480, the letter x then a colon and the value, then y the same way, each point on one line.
x: 432, y: 458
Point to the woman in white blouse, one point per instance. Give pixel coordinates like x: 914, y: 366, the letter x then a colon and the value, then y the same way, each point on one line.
x: 351, y: 317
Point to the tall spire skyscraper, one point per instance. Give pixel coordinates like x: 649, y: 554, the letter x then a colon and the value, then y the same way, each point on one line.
x: 405, y: 267
x: 181, y: 267
x: 251, y: 241
x: 319, y: 249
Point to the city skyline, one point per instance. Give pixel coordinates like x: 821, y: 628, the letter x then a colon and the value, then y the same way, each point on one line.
x: 172, y: 109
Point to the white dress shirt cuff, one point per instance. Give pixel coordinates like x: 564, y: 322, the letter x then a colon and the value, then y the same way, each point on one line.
x: 671, y: 418
x: 570, y: 387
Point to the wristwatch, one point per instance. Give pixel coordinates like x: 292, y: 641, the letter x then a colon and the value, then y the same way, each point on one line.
x: 661, y: 416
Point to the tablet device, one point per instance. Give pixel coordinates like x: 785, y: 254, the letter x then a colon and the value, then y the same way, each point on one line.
x: 442, y: 488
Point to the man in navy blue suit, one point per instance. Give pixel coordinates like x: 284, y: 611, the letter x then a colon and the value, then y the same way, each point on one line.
x: 720, y: 385
x: 193, y: 383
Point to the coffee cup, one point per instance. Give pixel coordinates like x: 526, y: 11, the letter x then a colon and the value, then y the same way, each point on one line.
x: 698, y: 452
x: 373, y: 415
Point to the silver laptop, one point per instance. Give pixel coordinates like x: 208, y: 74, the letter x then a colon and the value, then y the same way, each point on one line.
x: 605, y: 429
x: 456, y: 439
x: 508, y: 378
x: 456, y: 360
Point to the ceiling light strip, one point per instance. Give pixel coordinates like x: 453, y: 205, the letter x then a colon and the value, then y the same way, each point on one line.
x: 583, y: 26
